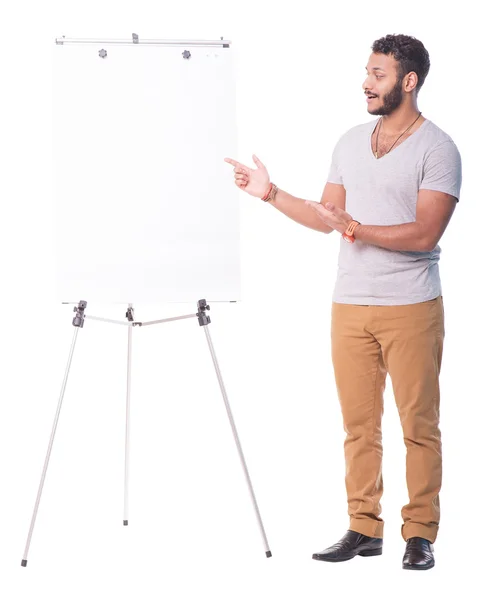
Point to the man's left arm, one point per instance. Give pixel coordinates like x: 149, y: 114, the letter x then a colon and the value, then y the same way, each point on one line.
x: 437, y: 198
x: 433, y: 213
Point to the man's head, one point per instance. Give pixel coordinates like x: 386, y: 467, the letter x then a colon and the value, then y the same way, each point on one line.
x: 396, y: 70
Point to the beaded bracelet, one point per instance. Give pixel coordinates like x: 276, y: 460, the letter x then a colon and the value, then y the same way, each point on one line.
x: 270, y: 195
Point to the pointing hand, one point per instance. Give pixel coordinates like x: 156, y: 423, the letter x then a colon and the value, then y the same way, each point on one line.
x: 255, y: 182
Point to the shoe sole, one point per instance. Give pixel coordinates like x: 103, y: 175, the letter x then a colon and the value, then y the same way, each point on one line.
x: 415, y: 568
x: 370, y: 552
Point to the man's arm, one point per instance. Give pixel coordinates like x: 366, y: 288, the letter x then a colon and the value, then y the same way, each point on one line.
x: 433, y: 213
x: 437, y: 197
x: 297, y: 209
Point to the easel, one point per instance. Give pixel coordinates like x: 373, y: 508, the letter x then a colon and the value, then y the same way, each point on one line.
x: 78, y: 321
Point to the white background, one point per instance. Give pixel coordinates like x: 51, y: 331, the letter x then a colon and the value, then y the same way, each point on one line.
x: 192, y: 529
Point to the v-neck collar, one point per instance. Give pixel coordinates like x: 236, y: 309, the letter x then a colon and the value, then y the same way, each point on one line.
x: 394, y: 149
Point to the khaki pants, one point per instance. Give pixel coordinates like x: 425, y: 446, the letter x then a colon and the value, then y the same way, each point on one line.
x: 405, y: 341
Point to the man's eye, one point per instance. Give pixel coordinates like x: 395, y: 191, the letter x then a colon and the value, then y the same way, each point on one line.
x: 379, y: 76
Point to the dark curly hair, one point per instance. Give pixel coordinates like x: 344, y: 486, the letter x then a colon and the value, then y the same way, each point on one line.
x: 409, y: 53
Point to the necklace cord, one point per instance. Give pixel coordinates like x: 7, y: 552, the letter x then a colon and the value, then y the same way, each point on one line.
x: 379, y: 128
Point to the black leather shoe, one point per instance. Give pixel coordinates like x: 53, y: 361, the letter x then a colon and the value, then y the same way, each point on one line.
x: 418, y: 555
x: 351, y: 544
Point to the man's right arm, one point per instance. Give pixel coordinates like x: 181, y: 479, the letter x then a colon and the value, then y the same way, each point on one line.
x: 297, y: 210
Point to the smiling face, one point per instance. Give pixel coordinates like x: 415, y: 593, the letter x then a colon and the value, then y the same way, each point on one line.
x: 383, y: 85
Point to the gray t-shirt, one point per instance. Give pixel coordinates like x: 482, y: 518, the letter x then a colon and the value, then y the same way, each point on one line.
x: 384, y: 192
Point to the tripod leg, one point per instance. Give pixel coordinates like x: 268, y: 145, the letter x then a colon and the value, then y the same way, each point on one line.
x: 238, y: 445
x: 47, y: 458
x: 128, y: 406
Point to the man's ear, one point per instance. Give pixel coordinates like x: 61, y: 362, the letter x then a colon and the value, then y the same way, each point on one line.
x: 411, y: 81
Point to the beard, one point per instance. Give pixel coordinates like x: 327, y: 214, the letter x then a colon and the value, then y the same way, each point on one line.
x: 390, y: 101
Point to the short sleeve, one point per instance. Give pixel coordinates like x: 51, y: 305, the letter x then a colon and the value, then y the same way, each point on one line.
x: 334, y: 171
x: 442, y: 170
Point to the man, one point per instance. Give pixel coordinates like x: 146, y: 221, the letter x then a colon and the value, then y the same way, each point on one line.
x: 392, y: 187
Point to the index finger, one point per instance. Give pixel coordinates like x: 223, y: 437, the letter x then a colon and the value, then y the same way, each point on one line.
x: 316, y: 206
x: 234, y: 163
